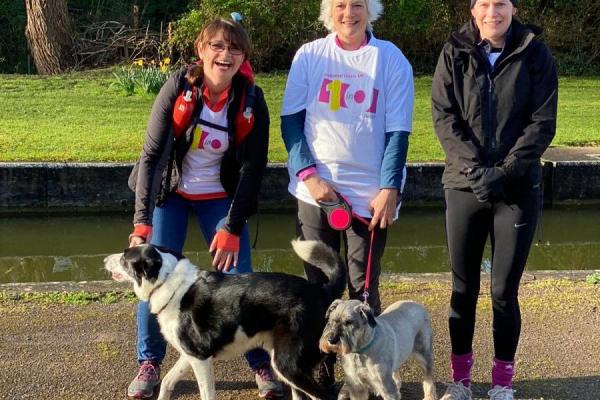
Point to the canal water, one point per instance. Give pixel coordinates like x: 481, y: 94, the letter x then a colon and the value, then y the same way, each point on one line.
x: 39, y: 248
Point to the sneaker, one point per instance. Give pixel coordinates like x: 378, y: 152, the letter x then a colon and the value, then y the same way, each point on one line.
x: 501, y: 393
x: 457, y: 391
x: 268, y: 386
x: 146, y: 381
x: 326, y: 372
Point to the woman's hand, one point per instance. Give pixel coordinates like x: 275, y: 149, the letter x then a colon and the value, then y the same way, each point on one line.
x: 135, y: 240
x: 383, y: 208
x: 226, y: 247
x: 319, y: 189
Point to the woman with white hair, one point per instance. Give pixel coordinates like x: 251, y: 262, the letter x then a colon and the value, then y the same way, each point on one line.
x: 346, y: 117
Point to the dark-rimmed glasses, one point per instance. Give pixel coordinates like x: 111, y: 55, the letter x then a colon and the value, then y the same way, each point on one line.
x: 220, y: 47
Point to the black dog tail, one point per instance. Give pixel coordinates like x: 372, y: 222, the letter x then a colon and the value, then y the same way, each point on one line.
x: 323, y: 257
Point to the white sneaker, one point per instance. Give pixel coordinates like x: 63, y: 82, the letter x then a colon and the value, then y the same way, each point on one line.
x: 457, y: 391
x: 501, y: 393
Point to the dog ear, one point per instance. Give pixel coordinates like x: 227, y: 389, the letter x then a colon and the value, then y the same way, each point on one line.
x: 144, y: 261
x: 332, y: 307
x: 367, y: 314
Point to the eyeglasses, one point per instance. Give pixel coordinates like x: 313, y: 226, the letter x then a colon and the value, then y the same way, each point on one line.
x: 220, y: 47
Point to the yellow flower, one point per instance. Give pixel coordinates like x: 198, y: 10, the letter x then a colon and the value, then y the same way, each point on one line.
x: 164, y: 68
x: 139, y: 62
x: 167, y: 61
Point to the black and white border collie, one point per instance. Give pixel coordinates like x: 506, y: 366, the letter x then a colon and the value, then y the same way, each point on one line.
x: 210, y: 315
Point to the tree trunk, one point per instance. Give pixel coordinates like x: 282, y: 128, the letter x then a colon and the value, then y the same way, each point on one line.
x: 48, y: 33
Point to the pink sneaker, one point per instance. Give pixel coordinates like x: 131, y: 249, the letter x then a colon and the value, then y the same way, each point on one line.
x: 145, y: 382
x: 268, y: 386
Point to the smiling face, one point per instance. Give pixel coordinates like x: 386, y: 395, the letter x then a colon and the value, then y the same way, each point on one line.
x: 350, y: 18
x: 218, y: 62
x: 493, y: 18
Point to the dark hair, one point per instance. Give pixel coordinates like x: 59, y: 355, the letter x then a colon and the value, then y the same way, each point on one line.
x: 474, y: 1
x: 233, y: 31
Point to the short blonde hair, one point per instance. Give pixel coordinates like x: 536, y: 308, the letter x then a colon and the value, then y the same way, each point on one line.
x: 374, y: 11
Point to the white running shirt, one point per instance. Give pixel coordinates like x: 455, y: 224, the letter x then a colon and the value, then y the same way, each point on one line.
x: 351, y: 98
x: 202, y: 163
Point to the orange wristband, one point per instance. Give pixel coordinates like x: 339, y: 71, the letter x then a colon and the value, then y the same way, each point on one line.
x: 141, y: 230
x: 227, y: 241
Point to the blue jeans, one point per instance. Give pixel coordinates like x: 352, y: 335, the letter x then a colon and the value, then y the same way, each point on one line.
x: 169, y: 229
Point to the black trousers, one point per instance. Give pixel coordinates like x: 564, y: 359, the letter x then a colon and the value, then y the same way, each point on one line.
x: 510, y: 224
x: 312, y: 225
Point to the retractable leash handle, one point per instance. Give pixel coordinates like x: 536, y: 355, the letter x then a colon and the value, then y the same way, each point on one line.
x: 338, y: 212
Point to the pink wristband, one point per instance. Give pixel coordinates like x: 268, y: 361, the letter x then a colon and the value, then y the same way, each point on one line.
x: 306, y: 173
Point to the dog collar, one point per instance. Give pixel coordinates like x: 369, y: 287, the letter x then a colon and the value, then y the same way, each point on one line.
x: 365, y: 347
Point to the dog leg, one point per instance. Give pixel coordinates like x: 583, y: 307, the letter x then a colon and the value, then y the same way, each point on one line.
x: 205, y: 376
x: 300, y: 381
x: 424, y: 356
x: 356, y: 392
x: 429, y: 389
x: 172, y: 377
x: 397, y: 380
x: 386, y: 387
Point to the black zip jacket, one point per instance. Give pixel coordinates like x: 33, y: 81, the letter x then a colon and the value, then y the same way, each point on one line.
x: 158, y: 170
x: 505, y: 116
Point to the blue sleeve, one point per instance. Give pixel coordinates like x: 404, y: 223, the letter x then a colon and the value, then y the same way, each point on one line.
x: 292, y: 132
x: 394, y: 160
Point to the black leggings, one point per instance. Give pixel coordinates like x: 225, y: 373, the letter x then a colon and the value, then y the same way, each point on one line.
x: 510, y: 223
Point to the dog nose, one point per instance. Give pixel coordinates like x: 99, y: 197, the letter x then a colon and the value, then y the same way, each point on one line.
x: 333, y: 339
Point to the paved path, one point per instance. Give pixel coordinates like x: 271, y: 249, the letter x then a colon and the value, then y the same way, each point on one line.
x: 51, y: 350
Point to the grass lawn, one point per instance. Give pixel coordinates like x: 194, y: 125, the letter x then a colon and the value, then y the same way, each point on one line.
x: 80, y: 117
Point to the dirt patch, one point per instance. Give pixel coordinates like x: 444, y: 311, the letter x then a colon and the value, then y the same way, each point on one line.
x: 53, y: 350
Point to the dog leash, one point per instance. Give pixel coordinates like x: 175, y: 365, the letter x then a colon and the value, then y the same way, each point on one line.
x: 339, y: 216
x: 368, y: 271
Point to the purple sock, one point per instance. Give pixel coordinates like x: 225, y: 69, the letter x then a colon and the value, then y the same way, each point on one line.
x: 461, y: 368
x: 502, y: 373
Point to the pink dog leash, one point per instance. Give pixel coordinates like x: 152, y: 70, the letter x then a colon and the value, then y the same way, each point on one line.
x: 339, y: 216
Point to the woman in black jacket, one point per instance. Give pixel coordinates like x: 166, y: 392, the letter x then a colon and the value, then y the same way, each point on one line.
x: 204, y: 154
x: 494, y: 100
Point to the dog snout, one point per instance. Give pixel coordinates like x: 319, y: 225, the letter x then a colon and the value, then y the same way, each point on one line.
x: 333, y: 339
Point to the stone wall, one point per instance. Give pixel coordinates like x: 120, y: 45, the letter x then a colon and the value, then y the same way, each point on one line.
x: 103, y: 186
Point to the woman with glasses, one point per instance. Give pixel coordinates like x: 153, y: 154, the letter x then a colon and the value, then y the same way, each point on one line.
x: 346, y: 117
x: 494, y: 101
x: 204, y: 154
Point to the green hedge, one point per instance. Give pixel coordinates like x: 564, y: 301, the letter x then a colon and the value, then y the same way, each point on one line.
x: 278, y: 27
x: 13, y: 45
x: 419, y: 27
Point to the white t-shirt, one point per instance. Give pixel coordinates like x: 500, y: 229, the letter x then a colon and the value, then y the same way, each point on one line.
x: 202, y: 163
x: 351, y: 98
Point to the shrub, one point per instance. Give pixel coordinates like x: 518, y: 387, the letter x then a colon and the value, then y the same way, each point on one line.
x: 125, y: 79
x: 418, y: 27
x: 151, y: 79
x: 276, y: 28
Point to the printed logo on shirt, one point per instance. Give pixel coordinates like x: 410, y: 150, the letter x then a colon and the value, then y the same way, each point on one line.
x: 340, y: 95
x: 205, y: 140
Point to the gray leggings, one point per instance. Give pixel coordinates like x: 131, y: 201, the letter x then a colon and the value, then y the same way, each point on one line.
x: 312, y: 225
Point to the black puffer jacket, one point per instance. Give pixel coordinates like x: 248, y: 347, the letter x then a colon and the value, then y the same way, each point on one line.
x: 158, y: 171
x: 501, y: 117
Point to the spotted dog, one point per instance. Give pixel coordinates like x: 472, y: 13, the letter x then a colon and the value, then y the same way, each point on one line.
x: 211, y: 315
x: 373, y: 348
